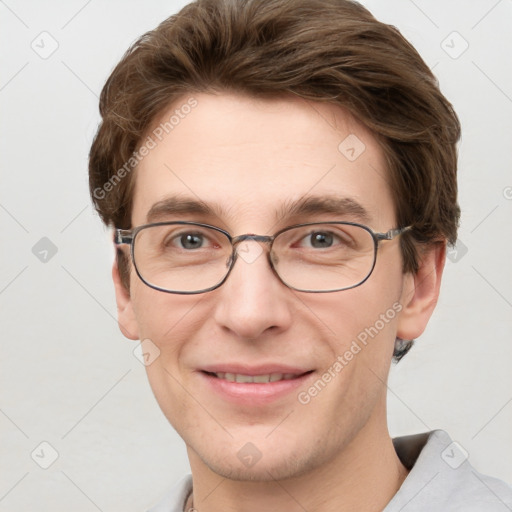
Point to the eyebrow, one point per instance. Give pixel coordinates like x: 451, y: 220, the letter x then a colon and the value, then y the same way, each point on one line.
x: 339, y: 206
x: 176, y: 205
x: 305, y: 206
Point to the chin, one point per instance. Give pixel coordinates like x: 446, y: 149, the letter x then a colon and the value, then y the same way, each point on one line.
x: 279, y: 462
x: 261, y: 472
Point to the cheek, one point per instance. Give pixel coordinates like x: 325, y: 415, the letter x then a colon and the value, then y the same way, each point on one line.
x: 164, y: 319
x: 362, y: 325
x: 166, y: 327
x: 352, y: 382
x: 363, y: 312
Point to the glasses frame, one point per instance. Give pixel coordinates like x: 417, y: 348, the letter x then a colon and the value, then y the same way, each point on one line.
x: 128, y: 237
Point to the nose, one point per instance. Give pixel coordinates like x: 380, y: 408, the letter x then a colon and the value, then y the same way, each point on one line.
x: 253, y: 301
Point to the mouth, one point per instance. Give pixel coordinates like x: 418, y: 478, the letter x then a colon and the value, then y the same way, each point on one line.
x: 256, y: 379
x: 254, y: 386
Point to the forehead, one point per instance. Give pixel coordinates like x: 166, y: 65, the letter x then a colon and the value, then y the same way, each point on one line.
x: 252, y: 160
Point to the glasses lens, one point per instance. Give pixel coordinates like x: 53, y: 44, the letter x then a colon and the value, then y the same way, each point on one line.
x: 324, y: 257
x: 181, y: 257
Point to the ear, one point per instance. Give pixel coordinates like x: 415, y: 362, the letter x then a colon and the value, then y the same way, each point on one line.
x: 125, y: 315
x: 421, y: 292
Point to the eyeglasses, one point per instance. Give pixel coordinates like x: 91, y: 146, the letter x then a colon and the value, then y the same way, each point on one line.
x: 190, y: 257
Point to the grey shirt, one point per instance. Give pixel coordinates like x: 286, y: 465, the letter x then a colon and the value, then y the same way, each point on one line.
x: 440, y: 479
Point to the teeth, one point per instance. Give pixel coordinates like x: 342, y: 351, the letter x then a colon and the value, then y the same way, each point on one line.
x: 260, y: 379
x: 243, y: 378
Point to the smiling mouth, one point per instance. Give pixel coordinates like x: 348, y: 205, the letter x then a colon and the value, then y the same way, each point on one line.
x: 256, y: 379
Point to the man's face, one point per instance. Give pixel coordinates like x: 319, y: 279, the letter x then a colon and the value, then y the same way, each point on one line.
x: 251, y: 160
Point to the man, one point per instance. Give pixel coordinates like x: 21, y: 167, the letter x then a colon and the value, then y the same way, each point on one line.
x: 281, y: 177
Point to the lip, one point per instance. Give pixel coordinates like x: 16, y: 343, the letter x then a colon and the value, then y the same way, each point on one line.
x: 253, y: 394
x: 254, y: 370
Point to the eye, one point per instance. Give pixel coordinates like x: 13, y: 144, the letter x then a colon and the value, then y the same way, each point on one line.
x: 321, y: 239
x: 186, y: 240
x: 190, y: 241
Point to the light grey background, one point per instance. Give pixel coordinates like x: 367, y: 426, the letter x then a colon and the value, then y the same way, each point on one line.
x: 69, y: 378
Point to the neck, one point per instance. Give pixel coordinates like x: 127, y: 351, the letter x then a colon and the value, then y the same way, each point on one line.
x: 365, y: 475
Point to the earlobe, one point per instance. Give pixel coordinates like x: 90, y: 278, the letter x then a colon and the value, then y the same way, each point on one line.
x: 125, y: 314
x: 421, y: 292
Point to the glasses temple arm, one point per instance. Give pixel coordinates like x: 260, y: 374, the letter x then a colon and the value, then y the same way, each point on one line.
x: 392, y: 233
x: 123, y: 236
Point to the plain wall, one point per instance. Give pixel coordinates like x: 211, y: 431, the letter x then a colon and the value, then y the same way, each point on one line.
x: 69, y: 378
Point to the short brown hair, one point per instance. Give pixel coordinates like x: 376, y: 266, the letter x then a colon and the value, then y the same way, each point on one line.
x: 332, y: 51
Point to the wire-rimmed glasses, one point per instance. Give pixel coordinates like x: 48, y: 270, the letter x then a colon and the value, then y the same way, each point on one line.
x: 190, y: 257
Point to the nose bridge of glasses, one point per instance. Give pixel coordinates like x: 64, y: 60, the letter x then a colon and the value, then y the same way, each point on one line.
x: 249, y: 252
x: 250, y: 236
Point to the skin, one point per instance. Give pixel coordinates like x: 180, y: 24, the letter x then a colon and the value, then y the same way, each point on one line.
x: 252, y: 157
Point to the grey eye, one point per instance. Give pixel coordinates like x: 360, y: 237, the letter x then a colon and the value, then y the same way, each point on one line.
x: 321, y: 240
x: 191, y: 241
